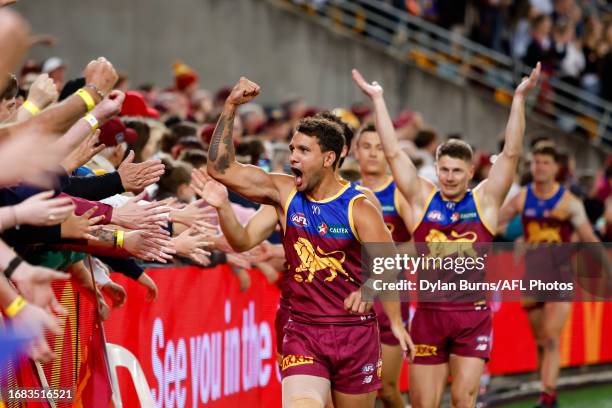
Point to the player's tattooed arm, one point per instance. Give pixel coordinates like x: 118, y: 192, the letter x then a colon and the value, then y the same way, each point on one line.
x: 222, y: 141
x: 249, y: 181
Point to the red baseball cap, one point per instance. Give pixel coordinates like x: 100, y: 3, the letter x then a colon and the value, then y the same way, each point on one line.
x: 114, y: 132
x: 135, y: 105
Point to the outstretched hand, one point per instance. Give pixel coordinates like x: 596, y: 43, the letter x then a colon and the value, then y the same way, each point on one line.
x: 530, y: 82
x: 371, y: 90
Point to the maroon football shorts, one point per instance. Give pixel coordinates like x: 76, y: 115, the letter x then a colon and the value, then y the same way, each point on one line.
x: 439, y: 333
x: 384, y: 324
x: 280, y: 320
x: 349, y: 356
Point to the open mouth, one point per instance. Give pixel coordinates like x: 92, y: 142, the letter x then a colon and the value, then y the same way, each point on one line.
x: 297, y: 173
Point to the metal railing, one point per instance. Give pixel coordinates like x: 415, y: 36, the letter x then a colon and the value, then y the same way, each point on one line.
x: 457, y: 59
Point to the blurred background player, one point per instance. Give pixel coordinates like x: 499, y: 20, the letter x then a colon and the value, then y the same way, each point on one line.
x: 550, y: 214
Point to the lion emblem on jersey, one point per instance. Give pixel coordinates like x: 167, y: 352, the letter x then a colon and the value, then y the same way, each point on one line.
x: 539, y: 233
x: 440, y: 245
x: 313, y: 261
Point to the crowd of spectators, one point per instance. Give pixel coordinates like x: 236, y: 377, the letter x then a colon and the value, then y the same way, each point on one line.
x: 572, y: 38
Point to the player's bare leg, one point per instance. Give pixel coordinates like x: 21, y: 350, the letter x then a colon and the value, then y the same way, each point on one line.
x: 392, y: 365
x: 305, y: 391
x: 555, y: 316
x: 536, y: 321
x: 427, y: 384
x: 466, y: 373
x: 342, y: 400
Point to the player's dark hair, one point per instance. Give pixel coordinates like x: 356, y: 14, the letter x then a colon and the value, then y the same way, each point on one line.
x: 547, y: 151
x: 329, y: 134
x: 425, y: 137
x: 455, y: 148
x: 367, y: 127
x: 346, y: 129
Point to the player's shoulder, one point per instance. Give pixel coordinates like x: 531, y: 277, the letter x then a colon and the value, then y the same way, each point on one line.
x: 370, y: 195
x: 571, y: 200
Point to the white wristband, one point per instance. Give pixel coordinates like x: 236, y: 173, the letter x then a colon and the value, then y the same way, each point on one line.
x: 91, y: 119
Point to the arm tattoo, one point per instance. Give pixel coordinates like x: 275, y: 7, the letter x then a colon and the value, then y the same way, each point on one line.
x: 105, y: 235
x: 222, y: 131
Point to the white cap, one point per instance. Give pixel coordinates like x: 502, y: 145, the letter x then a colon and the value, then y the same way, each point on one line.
x: 51, y: 64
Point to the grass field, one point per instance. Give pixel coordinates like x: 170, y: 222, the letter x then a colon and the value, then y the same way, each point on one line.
x: 592, y: 397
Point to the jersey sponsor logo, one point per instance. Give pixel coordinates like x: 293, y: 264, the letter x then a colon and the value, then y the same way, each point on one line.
x: 455, y: 217
x: 292, y: 361
x: 322, y: 228
x: 481, y: 347
x: 368, y: 368
x: 367, y: 379
x: 388, y: 208
x: 425, y: 350
x: 468, y: 216
x: 435, y: 216
x: 312, y: 261
x: 332, y: 229
x: 299, y: 219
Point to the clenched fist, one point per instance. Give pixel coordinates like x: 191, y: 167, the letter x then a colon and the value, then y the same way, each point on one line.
x: 244, y: 91
x: 101, y: 74
x: 43, y: 91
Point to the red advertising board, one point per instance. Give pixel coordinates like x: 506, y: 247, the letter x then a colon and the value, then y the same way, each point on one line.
x: 203, y: 342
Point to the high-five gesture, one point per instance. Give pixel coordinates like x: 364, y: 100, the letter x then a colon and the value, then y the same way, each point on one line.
x: 244, y: 91
x: 213, y: 192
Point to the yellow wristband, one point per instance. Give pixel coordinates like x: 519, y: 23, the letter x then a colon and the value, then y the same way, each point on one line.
x: 93, y: 122
x: 86, y: 97
x: 15, y: 307
x: 30, y: 107
x: 120, y: 236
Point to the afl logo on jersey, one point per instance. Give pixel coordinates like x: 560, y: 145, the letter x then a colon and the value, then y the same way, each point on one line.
x: 299, y: 219
x: 435, y: 216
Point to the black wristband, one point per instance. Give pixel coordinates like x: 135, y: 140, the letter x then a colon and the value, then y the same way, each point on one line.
x: 15, y: 262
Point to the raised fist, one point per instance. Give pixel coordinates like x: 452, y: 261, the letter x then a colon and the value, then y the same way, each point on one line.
x: 101, y: 74
x: 43, y: 91
x: 244, y: 91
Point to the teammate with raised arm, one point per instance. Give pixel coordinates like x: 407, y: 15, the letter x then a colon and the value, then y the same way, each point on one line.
x: 329, y: 342
x: 397, y: 215
x: 550, y: 214
x: 450, y: 337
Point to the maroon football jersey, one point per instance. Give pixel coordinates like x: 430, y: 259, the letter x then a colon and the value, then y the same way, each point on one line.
x: 450, y: 229
x: 324, y: 257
